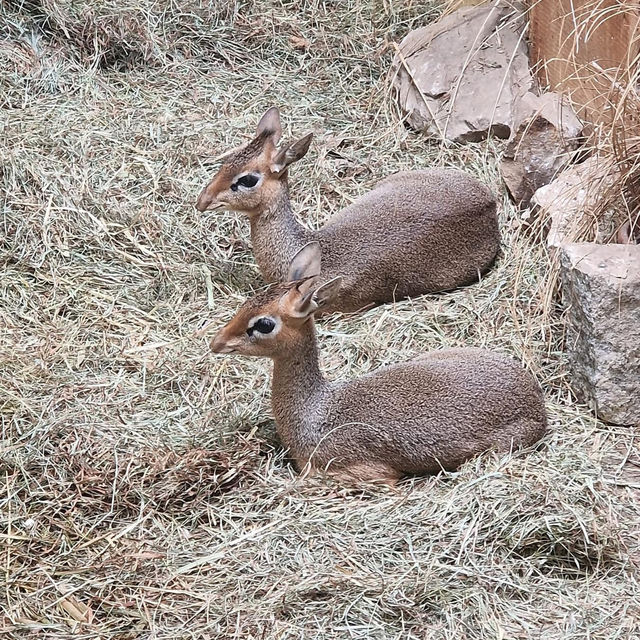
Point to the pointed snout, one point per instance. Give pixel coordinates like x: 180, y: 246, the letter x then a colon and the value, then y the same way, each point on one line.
x: 207, y: 200
x: 221, y: 344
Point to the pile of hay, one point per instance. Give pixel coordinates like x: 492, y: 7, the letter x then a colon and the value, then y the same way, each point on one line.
x: 145, y: 494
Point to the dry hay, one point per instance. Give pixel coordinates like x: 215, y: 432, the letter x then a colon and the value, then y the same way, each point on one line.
x: 145, y: 495
x: 619, y: 144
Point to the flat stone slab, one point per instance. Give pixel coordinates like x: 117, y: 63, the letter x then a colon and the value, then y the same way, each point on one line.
x: 461, y: 77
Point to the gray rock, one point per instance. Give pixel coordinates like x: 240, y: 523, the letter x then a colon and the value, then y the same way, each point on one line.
x: 601, y: 288
x: 546, y: 132
x: 569, y: 201
x: 461, y: 77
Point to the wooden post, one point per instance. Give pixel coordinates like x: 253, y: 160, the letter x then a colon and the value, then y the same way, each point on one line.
x: 585, y: 49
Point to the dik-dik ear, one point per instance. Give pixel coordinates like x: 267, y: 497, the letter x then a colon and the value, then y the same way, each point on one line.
x: 306, y: 263
x: 270, y: 124
x: 291, y: 153
x: 325, y: 293
x: 307, y: 298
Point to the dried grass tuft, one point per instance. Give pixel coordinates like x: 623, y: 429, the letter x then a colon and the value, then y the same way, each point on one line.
x: 605, y: 93
x: 155, y: 478
x: 144, y: 493
x: 117, y: 35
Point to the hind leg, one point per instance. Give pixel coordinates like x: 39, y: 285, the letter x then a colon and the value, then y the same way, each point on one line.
x: 374, y: 472
x: 521, y: 433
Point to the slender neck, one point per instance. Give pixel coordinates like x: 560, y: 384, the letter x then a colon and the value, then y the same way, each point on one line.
x: 297, y: 392
x: 277, y: 236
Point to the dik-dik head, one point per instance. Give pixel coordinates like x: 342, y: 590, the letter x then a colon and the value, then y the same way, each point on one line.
x: 249, y: 178
x: 275, y: 321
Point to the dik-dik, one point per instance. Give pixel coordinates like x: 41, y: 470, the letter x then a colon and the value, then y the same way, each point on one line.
x: 422, y: 416
x: 416, y: 232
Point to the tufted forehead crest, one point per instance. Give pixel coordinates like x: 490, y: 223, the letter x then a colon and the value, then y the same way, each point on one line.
x: 240, y: 157
x: 271, y: 294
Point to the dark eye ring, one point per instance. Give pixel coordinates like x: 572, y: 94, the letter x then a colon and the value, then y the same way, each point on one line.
x: 248, y: 181
x: 262, y: 325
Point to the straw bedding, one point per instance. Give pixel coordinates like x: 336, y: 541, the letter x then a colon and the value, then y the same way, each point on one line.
x: 144, y: 491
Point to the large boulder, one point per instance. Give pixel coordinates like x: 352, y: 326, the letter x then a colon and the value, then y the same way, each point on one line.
x: 461, y: 77
x: 601, y: 289
x: 546, y: 132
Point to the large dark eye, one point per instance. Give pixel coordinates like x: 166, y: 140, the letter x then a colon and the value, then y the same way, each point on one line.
x: 248, y: 181
x: 262, y: 325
